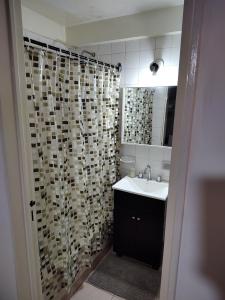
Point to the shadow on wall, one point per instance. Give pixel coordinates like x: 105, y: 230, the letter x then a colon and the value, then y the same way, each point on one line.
x: 213, y: 222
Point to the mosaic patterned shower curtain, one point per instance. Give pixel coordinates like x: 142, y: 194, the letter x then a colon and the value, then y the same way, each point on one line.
x: 138, y: 115
x: 73, y: 120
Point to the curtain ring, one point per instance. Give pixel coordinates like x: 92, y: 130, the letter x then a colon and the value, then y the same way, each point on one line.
x: 70, y: 54
x: 97, y: 63
x: 42, y: 51
x: 119, y: 67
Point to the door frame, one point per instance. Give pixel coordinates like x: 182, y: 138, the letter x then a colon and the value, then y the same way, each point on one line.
x: 185, y: 105
x: 23, y: 158
x: 193, y: 11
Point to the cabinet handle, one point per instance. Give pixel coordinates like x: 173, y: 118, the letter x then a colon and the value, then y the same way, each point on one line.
x: 133, y: 218
x: 138, y: 219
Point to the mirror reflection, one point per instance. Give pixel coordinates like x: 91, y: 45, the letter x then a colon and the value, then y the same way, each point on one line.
x: 148, y: 115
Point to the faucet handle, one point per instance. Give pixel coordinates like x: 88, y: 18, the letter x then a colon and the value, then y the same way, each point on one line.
x: 158, y: 179
x: 140, y: 175
x: 147, y: 167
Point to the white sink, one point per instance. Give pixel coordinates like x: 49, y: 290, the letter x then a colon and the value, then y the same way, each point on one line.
x: 143, y: 187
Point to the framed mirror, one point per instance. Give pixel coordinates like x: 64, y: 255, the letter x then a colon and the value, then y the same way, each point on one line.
x: 148, y: 115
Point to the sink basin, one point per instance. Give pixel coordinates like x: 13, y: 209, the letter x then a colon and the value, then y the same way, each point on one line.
x: 139, y: 186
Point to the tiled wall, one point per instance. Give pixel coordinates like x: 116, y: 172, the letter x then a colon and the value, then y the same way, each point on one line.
x: 136, y: 56
x: 158, y: 158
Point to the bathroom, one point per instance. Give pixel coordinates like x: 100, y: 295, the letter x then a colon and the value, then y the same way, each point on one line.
x: 112, y: 177
x: 98, y: 115
x: 133, y: 143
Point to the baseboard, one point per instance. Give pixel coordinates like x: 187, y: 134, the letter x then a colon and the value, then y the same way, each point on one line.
x: 84, y: 275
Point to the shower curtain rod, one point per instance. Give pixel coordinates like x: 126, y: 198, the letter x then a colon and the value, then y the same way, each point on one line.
x: 63, y: 52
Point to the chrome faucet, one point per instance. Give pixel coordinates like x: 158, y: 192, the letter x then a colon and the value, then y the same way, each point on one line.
x: 147, y: 172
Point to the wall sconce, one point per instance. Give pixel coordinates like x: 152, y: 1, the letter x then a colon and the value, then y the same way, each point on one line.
x: 156, y: 65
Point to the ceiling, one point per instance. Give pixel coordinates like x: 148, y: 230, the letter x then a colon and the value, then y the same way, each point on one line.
x: 74, y: 12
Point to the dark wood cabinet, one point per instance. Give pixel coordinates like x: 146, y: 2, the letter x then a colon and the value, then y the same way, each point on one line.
x: 139, y: 227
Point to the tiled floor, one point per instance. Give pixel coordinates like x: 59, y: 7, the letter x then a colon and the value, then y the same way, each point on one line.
x: 90, y: 292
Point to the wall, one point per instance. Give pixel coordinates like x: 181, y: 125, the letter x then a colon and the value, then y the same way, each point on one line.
x: 36, y: 23
x: 14, y: 276
x: 8, y: 289
x: 135, y: 56
x: 201, y: 268
x: 149, y: 23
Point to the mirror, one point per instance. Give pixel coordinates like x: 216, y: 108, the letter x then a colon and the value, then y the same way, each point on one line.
x: 148, y: 115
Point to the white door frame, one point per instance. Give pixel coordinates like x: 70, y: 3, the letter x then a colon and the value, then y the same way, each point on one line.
x: 185, y: 104
x: 18, y: 113
x: 180, y: 154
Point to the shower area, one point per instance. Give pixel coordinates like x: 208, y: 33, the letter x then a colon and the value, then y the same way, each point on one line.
x: 73, y: 123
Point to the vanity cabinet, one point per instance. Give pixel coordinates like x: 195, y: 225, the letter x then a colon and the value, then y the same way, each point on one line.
x: 139, y: 227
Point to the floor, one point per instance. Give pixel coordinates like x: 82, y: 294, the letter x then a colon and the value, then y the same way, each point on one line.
x: 126, y: 277
x: 90, y: 292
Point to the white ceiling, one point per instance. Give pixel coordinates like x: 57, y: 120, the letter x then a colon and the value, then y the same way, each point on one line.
x: 74, y: 12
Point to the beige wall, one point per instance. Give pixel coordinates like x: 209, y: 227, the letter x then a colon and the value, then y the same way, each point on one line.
x: 201, y: 273
x: 36, y: 23
x: 14, y: 270
x: 8, y: 289
x: 152, y: 23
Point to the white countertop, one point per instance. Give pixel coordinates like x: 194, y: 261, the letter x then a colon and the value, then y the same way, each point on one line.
x: 143, y: 187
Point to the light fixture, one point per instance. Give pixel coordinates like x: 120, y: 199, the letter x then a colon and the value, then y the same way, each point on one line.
x: 155, y: 65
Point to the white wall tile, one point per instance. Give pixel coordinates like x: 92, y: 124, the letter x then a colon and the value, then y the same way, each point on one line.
x: 132, y: 45
x: 175, y: 56
x: 156, y: 169
x: 142, y: 157
x: 165, y: 174
x: 132, y: 59
x: 147, y: 44
x: 118, y: 47
x: 166, y: 55
x: 145, y: 77
x: 164, y: 42
x: 104, y: 49
x: 167, y: 154
x: 156, y: 154
x: 131, y: 76
x: 135, y: 56
x: 105, y: 58
x: 127, y: 149
x: 146, y: 58
x: 176, y: 40
x: 118, y: 57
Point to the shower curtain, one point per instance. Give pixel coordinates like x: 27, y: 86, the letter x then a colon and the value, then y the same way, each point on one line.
x: 73, y: 121
x: 138, y: 115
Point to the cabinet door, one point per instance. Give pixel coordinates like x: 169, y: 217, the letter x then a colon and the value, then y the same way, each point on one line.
x: 139, y: 227
x: 125, y: 229
x: 150, y: 237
